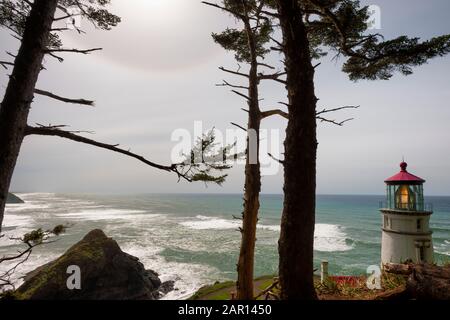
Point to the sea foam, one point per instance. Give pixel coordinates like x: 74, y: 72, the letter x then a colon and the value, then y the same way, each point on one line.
x: 327, y: 237
x: 103, y: 214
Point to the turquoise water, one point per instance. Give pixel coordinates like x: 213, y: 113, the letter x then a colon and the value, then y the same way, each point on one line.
x: 194, y: 239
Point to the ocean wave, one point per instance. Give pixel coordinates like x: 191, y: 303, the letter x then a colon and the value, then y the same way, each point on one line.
x: 34, y: 205
x: 269, y: 227
x: 188, y: 277
x: 442, y: 248
x: 16, y: 220
x: 210, y: 223
x: 214, y: 223
x: 327, y: 237
x: 331, y: 238
x: 106, y: 214
x: 15, y: 226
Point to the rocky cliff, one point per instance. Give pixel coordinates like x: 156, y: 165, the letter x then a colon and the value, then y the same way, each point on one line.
x: 106, y: 273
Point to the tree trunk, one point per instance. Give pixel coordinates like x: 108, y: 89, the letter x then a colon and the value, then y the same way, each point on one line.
x: 252, y: 182
x: 425, y: 281
x: 298, y: 219
x: 429, y: 282
x: 19, y: 92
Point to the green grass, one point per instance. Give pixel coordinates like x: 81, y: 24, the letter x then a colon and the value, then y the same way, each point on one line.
x: 217, y: 290
x: 211, y: 289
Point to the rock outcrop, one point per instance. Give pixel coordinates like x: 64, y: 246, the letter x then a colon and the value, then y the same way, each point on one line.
x: 13, y: 199
x: 106, y: 273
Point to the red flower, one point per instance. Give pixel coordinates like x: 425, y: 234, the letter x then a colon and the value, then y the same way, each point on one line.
x: 348, y: 280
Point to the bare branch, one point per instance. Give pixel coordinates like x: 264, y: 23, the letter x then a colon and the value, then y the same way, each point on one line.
x: 336, y: 109
x: 234, y: 72
x: 62, y: 18
x: 266, y: 65
x: 227, y: 84
x: 5, y: 64
x: 274, y: 76
x: 277, y: 160
x: 55, y: 131
x: 85, y: 51
x: 337, y: 123
x: 240, y: 127
x: 237, y: 14
x: 56, y: 57
x: 277, y: 42
x: 284, y: 104
x: 56, y: 127
x: 63, y: 99
x: 241, y: 95
x: 279, y: 112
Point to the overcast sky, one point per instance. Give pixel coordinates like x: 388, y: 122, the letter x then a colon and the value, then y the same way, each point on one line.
x: 157, y: 73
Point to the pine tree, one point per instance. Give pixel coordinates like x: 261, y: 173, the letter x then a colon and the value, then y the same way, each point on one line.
x: 311, y: 29
x: 250, y: 45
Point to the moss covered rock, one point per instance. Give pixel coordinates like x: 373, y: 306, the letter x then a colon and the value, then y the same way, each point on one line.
x: 107, y: 273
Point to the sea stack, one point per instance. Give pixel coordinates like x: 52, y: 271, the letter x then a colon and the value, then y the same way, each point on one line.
x: 406, y: 235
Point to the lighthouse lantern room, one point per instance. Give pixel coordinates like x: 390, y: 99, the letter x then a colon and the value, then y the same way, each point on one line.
x: 406, y: 236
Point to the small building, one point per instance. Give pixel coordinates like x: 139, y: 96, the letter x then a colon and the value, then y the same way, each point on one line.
x: 406, y: 235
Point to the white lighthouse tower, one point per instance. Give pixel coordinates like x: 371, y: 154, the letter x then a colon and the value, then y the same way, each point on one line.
x: 406, y: 236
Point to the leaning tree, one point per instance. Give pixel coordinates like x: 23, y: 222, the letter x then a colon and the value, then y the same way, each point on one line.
x: 321, y: 26
x: 37, y: 25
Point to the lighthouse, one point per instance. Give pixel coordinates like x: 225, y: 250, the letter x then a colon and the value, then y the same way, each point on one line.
x: 406, y: 235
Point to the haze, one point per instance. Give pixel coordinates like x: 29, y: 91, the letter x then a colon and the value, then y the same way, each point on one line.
x: 157, y: 73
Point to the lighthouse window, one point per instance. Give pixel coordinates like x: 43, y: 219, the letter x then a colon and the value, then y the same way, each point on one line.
x: 402, y: 197
x: 419, y: 224
x: 405, y: 198
x: 386, y: 222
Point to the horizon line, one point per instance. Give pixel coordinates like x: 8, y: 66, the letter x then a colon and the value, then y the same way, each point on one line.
x: 208, y: 193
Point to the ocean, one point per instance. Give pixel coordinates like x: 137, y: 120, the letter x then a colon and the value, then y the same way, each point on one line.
x: 194, y: 239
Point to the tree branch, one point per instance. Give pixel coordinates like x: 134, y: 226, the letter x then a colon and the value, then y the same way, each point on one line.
x: 57, y: 132
x: 237, y: 14
x: 227, y: 84
x: 275, y: 76
x: 60, y: 59
x: 63, y: 99
x: 336, y: 109
x: 277, y: 160
x: 234, y: 72
x: 85, y: 51
x: 334, y: 121
x: 240, y: 127
x: 241, y: 95
x: 5, y: 64
x: 279, y: 112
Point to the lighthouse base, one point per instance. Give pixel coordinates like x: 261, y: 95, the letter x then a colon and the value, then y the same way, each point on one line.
x: 401, y: 247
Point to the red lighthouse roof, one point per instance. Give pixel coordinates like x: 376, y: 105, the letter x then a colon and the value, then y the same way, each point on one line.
x: 404, y: 176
